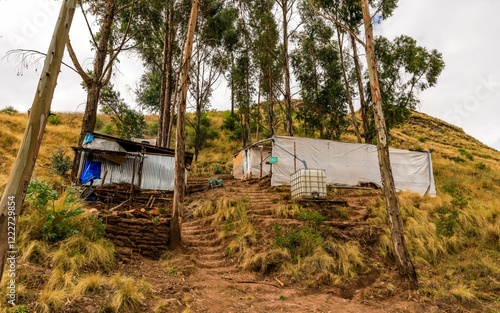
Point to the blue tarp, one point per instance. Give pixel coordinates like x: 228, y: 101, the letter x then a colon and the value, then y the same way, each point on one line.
x: 88, y: 138
x: 91, y: 171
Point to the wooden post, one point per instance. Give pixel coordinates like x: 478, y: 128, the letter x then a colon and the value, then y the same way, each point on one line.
x: 131, y: 203
x: 294, y: 157
x: 13, y: 196
x: 180, y: 147
x: 261, y: 160
x: 401, y: 254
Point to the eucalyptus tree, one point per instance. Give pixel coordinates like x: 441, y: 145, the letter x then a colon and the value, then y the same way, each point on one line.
x: 287, y: 7
x: 317, y: 67
x: 404, y: 70
x: 400, y: 250
x: 267, y: 54
x: 108, y: 42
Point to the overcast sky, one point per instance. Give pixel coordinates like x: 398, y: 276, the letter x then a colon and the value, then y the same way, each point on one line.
x: 464, y: 31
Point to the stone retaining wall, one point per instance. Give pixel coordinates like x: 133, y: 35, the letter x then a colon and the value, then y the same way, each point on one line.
x: 135, y: 236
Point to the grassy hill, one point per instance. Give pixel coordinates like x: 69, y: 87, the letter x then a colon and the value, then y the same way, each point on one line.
x: 454, y: 238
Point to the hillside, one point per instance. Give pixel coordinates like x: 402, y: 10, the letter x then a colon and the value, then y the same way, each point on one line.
x: 249, y: 248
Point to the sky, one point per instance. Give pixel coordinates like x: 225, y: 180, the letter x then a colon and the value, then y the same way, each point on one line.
x: 464, y: 31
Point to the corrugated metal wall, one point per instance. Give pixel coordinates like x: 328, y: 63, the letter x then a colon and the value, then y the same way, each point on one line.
x: 157, y: 171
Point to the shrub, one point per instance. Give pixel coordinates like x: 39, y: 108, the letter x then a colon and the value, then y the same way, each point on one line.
x: 60, y: 162
x: 10, y: 110
x: 40, y: 193
x: 54, y: 120
x: 466, y: 154
x: 300, y: 243
x: 311, y: 216
x: 481, y: 166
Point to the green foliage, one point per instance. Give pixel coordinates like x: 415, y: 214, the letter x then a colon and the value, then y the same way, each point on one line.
x: 58, y: 224
x: 206, y: 133
x: 10, y: 110
x: 404, y: 70
x: 60, y: 162
x: 447, y: 220
x: 231, y: 124
x: 40, y: 193
x: 99, y: 124
x: 152, y: 129
x: 128, y: 123
x: 316, y: 65
x: 54, y: 119
x: 481, y: 166
x: 311, y: 216
x: 300, y: 243
x: 422, y: 139
x: 148, y: 93
x: 466, y: 154
x: 458, y: 159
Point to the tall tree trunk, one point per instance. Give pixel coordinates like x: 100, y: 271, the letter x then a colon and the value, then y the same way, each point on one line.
x: 286, y: 67
x: 15, y: 191
x: 362, y: 102
x: 161, y: 133
x: 232, y: 85
x: 403, y: 260
x: 168, y: 116
x: 180, y: 161
x: 270, y: 105
x: 98, y: 82
x: 347, y: 88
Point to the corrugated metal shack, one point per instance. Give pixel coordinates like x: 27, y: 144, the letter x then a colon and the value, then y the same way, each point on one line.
x: 104, y: 160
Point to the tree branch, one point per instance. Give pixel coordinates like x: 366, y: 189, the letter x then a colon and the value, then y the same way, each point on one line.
x: 86, y: 78
x: 88, y: 25
x: 344, y: 27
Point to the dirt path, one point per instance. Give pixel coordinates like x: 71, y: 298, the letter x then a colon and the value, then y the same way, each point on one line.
x: 200, y: 278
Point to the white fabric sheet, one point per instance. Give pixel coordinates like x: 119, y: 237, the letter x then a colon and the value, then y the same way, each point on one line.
x: 351, y: 163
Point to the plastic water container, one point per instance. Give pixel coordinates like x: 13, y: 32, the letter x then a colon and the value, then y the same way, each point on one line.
x: 308, y: 184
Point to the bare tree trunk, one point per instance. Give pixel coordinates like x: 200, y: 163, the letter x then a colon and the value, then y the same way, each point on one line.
x: 347, y: 88
x: 403, y: 260
x: 364, y: 108
x: 161, y: 134
x: 270, y: 105
x: 167, y: 115
x: 13, y: 196
x: 286, y: 66
x: 97, y: 80
x: 180, y: 161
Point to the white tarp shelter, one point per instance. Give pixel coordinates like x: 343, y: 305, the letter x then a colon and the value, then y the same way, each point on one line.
x: 249, y: 162
x: 351, y: 163
x: 345, y: 163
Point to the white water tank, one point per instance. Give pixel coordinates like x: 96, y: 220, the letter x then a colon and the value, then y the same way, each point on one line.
x: 308, y: 184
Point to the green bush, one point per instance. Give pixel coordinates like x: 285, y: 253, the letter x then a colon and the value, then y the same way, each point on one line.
x: 311, y: 216
x: 481, y: 166
x: 466, y: 154
x: 300, y: 243
x: 40, y: 193
x: 54, y: 120
x: 58, y: 224
x: 10, y: 110
x: 447, y: 221
x: 60, y: 162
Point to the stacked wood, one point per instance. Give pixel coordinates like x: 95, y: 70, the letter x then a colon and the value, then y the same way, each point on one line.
x: 136, y: 233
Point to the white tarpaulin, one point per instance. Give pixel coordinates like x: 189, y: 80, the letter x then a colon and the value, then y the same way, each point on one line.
x: 351, y: 163
x: 247, y: 163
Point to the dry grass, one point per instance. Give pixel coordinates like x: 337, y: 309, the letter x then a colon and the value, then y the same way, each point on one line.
x: 89, y: 284
x: 128, y: 293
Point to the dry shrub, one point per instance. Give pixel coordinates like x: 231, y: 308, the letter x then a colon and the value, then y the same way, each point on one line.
x: 78, y: 253
x: 267, y: 261
x: 89, y: 284
x: 287, y: 211
x: 128, y: 294
x: 52, y: 300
